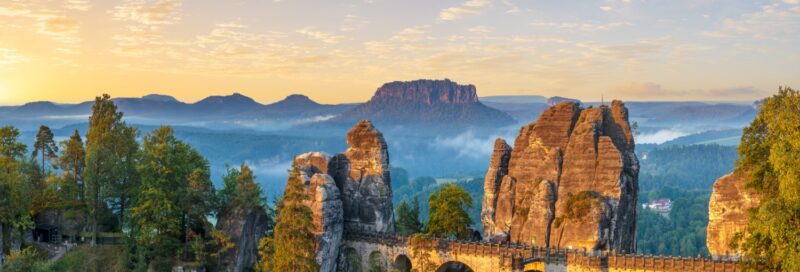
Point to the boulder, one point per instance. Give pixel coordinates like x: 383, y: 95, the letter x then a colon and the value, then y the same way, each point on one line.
x: 727, y: 211
x: 569, y: 150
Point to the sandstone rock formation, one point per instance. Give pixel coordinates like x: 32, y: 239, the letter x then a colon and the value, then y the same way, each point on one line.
x: 325, y: 202
x: 569, y: 159
x: 362, y: 174
x: 727, y: 211
x: 439, y: 103
x: 244, y: 228
x: 351, y: 190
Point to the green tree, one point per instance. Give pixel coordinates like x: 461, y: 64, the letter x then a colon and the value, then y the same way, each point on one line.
x: 408, y: 218
x: 174, y: 197
x: 100, y: 159
x: 14, y: 197
x: 448, y: 212
x: 294, y: 248
x: 44, y: 146
x: 769, y: 152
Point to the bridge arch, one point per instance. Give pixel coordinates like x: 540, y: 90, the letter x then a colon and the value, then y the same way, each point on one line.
x: 454, y: 266
x: 352, y: 261
x: 402, y: 263
x: 375, y: 262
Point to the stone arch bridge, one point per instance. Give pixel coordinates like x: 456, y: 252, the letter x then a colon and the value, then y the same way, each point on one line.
x: 365, y: 250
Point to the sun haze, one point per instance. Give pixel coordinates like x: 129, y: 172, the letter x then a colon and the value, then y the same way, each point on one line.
x: 341, y: 51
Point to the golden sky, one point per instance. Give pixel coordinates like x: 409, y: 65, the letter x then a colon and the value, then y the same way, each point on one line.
x: 341, y: 51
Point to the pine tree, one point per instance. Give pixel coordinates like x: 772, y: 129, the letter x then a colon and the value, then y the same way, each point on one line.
x: 294, y: 248
x: 99, y: 172
x: 44, y: 146
x: 408, y: 218
x: 448, y: 212
x: 72, y: 162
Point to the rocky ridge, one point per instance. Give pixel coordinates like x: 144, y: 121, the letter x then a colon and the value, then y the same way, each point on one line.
x: 351, y: 190
x: 571, y: 180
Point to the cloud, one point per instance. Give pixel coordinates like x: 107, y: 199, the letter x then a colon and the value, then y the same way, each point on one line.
x: 9, y: 57
x: 81, y: 5
x: 466, y: 144
x: 480, y: 29
x: 58, y: 25
x: 148, y: 12
x: 412, y: 34
x: 648, y: 90
x: 769, y: 22
x: 322, y: 36
x: 660, y: 137
x: 353, y: 22
x: 605, y: 8
x: 586, y: 27
x: 472, y: 7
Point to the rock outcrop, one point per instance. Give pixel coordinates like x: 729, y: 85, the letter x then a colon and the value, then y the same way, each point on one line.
x: 571, y: 157
x: 438, y: 103
x: 244, y: 228
x: 325, y: 202
x: 727, y: 211
x: 351, y: 190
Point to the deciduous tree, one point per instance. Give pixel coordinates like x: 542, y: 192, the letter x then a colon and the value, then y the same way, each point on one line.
x: 448, y: 212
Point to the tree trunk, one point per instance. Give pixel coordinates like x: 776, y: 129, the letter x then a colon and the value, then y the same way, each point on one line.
x: 94, y: 213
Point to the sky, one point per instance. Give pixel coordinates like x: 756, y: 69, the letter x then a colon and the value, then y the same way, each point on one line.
x: 341, y: 51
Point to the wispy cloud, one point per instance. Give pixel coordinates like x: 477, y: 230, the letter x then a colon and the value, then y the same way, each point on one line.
x: 9, y: 57
x: 149, y: 12
x: 586, y: 27
x: 326, y: 37
x: 471, y: 7
x: 649, y: 90
x: 81, y: 5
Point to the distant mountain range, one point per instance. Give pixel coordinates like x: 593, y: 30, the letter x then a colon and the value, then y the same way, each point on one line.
x: 419, y: 103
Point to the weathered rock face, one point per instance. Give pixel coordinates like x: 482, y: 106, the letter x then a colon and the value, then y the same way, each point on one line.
x: 568, y: 151
x: 727, y: 211
x: 498, y: 168
x: 325, y: 202
x: 362, y: 174
x: 245, y: 228
x: 351, y: 190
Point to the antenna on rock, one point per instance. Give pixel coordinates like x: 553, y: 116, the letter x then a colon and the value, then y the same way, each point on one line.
x: 602, y: 100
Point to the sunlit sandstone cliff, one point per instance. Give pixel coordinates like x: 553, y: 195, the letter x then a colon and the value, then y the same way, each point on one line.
x: 571, y: 180
x: 351, y: 190
x: 727, y: 211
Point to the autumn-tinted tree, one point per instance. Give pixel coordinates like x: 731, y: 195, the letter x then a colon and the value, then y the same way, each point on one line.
x: 44, y: 146
x: 769, y: 152
x: 294, y: 248
x: 123, y: 185
x: 448, y: 212
x: 407, y: 222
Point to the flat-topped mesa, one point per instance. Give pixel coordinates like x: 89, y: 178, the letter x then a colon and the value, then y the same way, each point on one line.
x: 570, y: 158
x: 428, y: 92
x: 727, y: 211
